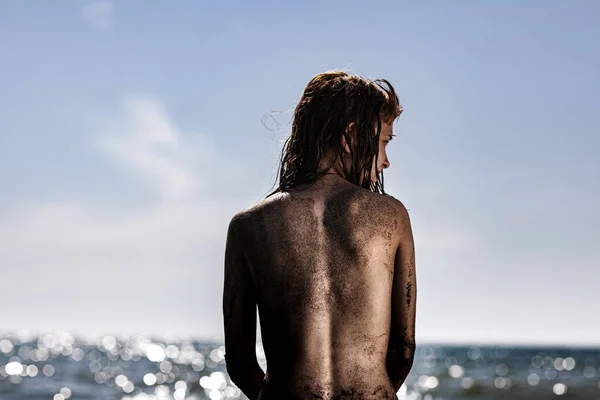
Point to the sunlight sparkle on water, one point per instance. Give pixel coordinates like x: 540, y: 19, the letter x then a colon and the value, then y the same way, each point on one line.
x: 216, y: 395
x: 128, y: 387
x: 568, y: 363
x: 560, y: 389
x: 589, y: 372
x: 456, y: 371
x: 467, y: 383
x: 533, y: 379
x: 14, y: 368
x: 502, y: 369
x: 502, y: 383
x: 66, y: 392
x: 155, y: 352
x: 6, y: 346
x: 139, y: 367
x: 32, y: 370
x: 149, y: 379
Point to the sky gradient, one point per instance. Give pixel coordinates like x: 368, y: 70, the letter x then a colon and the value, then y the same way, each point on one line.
x: 132, y: 131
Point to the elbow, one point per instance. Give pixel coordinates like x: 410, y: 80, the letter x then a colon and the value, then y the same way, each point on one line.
x: 402, y: 355
x: 408, y: 353
x: 403, y: 362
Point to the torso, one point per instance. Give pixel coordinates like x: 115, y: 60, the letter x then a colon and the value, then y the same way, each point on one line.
x: 322, y: 264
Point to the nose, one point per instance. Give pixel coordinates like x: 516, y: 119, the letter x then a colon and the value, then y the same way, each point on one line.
x: 386, y: 163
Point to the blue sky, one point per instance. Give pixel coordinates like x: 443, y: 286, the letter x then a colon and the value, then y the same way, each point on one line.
x: 130, y: 133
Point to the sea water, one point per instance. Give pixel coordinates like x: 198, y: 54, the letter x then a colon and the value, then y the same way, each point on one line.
x: 60, y: 366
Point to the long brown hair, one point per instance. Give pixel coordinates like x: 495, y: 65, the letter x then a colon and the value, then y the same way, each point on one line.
x: 330, y: 102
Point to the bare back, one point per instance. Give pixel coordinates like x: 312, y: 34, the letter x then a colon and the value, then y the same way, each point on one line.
x: 322, y: 265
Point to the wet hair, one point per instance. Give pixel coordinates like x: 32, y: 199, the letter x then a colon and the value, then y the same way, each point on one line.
x: 330, y: 102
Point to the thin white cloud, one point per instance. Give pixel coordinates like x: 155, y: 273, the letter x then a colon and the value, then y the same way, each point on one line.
x: 143, y: 138
x: 99, y: 14
x: 174, y: 245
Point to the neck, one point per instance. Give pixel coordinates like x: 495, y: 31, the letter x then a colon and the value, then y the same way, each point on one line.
x: 332, y: 163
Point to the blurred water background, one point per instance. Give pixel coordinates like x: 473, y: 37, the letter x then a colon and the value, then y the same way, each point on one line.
x: 61, y: 366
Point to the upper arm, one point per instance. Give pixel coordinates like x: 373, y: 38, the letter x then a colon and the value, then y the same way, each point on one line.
x: 239, y: 302
x: 404, y: 287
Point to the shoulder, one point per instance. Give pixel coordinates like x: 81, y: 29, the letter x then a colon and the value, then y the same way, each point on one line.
x: 401, y: 218
x: 394, y: 210
x: 253, y: 213
x: 397, y: 207
x: 384, y: 210
x: 386, y: 202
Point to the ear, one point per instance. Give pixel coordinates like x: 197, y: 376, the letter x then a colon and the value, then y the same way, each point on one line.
x: 350, y: 130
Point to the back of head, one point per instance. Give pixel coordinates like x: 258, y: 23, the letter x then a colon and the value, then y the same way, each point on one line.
x: 330, y: 103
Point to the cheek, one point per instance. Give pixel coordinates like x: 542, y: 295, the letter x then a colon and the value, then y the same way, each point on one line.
x: 381, y: 156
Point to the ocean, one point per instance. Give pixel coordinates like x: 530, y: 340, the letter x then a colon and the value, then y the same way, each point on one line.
x: 60, y: 366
